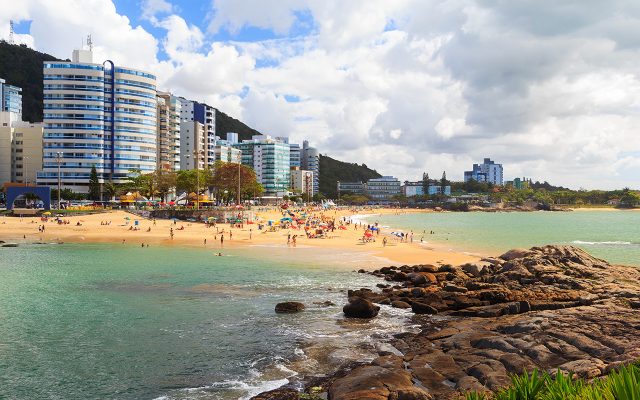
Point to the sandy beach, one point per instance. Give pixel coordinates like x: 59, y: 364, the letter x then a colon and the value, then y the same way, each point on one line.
x: 92, y: 230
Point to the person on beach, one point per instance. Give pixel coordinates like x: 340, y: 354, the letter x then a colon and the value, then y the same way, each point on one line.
x: 384, y: 242
x: 221, y: 239
x: 230, y: 235
x: 205, y: 241
x: 171, y: 233
x: 250, y: 233
x: 294, y: 240
x: 288, y: 239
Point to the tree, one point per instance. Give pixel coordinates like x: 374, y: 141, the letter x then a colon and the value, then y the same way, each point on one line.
x: 628, y: 199
x: 225, y: 178
x: 165, y: 181
x: 94, y: 185
x: 425, y: 183
x: 111, y: 189
x: 443, y: 181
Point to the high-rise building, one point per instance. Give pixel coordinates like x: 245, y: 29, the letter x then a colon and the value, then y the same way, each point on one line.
x: 301, y: 181
x: 20, y: 149
x: 227, y: 153
x: 168, y: 117
x: 11, y: 99
x: 488, y: 171
x: 168, y: 125
x: 269, y: 158
x: 294, y: 155
x: 310, y: 161
x: 97, y: 115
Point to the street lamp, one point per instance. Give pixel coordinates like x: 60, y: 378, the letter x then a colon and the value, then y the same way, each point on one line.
x: 58, y: 157
x: 238, y: 198
x: 196, y: 157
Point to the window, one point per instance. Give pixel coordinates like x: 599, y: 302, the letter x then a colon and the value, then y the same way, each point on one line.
x: 18, y: 134
x: 18, y: 150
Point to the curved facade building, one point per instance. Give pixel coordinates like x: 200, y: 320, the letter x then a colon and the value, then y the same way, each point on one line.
x: 97, y: 115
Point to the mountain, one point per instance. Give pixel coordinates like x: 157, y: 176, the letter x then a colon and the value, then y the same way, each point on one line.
x: 332, y: 171
x: 21, y: 66
x: 226, y: 124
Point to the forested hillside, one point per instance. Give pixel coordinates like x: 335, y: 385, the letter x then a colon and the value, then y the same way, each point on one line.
x: 332, y: 171
x: 21, y: 66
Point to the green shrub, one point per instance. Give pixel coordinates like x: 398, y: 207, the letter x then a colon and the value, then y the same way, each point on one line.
x: 623, y: 384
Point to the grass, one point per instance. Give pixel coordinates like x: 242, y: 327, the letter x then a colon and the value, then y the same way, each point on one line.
x: 623, y: 384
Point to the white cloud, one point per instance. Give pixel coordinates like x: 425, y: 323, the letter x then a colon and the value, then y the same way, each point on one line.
x: 151, y: 8
x: 549, y: 89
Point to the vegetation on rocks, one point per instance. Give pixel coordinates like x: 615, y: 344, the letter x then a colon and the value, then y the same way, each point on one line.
x: 622, y: 384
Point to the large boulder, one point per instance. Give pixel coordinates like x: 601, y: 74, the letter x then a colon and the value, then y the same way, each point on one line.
x: 373, y: 382
x: 515, y: 253
x: 360, y: 308
x: 422, y: 308
x: 288, y: 307
x: 279, y: 394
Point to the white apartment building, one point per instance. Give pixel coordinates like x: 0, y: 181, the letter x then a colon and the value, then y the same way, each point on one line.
x: 168, y: 125
x: 97, y: 115
x: 20, y: 149
x: 302, y: 181
x: 488, y: 171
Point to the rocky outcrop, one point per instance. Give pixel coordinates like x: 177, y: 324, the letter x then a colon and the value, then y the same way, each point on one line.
x: 289, y: 307
x: 551, y: 308
x: 384, y: 379
x: 359, y: 307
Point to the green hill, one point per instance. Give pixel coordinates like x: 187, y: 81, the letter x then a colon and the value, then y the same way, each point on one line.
x: 226, y: 124
x: 332, y: 171
x: 21, y: 66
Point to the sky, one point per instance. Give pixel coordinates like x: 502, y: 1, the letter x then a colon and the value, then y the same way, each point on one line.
x: 548, y: 88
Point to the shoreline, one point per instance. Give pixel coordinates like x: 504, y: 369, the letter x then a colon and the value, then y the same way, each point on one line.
x: 90, y: 230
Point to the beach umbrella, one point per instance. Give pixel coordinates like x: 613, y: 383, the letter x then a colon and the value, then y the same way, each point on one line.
x: 368, y: 234
x: 46, y: 213
x: 212, y: 218
x: 127, y: 218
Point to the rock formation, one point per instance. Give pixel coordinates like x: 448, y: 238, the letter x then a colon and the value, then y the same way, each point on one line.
x: 551, y: 307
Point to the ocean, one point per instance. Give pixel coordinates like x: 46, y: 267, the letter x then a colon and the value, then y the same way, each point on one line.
x: 95, y: 321
x: 611, y: 235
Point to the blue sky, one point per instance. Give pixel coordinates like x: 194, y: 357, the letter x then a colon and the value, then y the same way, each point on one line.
x: 550, y: 90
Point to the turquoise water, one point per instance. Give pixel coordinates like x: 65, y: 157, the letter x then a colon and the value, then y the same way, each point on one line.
x: 109, y: 321
x: 611, y: 235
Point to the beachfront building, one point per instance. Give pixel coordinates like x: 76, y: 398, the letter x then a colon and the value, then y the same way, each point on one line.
x: 310, y: 161
x: 20, y: 149
x: 302, y: 181
x: 11, y: 99
x: 434, y: 190
x: 190, y: 113
x: 168, y: 126
x: 232, y: 138
x: 488, y: 171
x: 351, y: 187
x: 412, y: 189
x: 226, y: 153
x: 383, y: 188
x: 269, y: 158
x: 97, y: 115
x: 295, y: 154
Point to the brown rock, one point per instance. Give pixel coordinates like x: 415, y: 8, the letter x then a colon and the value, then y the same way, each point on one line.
x: 422, y: 308
x: 400, y: 304
x: 372, y: 382
x: 289, y: 307
x: 360, y: 308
